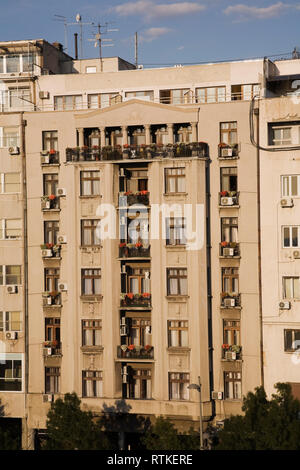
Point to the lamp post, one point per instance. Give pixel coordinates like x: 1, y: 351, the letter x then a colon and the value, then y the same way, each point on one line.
x: 198, y: 388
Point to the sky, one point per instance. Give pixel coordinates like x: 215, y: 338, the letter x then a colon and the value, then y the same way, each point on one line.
x: 169, y: 31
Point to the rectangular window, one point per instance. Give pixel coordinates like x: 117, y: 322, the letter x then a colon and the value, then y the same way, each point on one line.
x: 89, y: 183
x: 10, y: 372
x: 229, y: 229
x: 230, y: 280
x: 291, y: 340
x: 290, y: 185
x: 11, y: 229
x: 91, y: 69
x: 228, y: 133
x: 291, y: 287
x: 290, y: 236
x: 231, y: 332
x: 51, y: 229
x: 103, y: 100
x: 178, y: 386
x: 229, y: 179
x: 50, y: 140
x: 11, y: 183
x: 90, y: 232
x: 178, y: 334
x: 10, y: 275
x: 50, y: 184
x: 140, y: 384
x: 19, y: 99
x: 67, y: 102
x: 52, y: 379
x: 280, y: 135
x: 175, y: 180
x: 52, y: 330
x: 244, y: 92
x: 233, y: 385
x: 138, y: 281
x: 175, y: 231
x: 10, y: 321
x: 51, y: 279
x: 176, y: 281
x: 91, y: 281
x: 211, y: 94
x: 139, y: 94
x: 178, y: 96
x: 92, y: 383
x: 91, y: 332
x: 140, y: 332
x: 9, y: 136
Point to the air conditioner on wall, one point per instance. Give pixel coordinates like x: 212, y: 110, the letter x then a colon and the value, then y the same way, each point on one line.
x: 48, y: 398
x: 296, y: 254
x: 47, y: 253
x: 61, y: 239
x: 217, y: 395
x: 11, y: 335
x: 230, y: 355
x: 229, y: 302
x: 14, y: 150
x: 228, y: 251
x: 287, y: 202
x: 226, y: 152
x: 284, y: 305
x: 62, y: 287
x: 61, y: 192
x: 226, y: 201
x: 12, y: 289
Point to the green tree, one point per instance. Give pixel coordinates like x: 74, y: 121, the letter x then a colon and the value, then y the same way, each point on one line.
x: 164, y: 436
x: 10, y: 435
x: 266, y: 425
x: 70, y: 428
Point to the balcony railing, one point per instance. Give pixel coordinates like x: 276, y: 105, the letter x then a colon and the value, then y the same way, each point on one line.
x: 51, y: 299
x: 52, y: 348
x: 229, y: 249
x: 135, y: 300
x: 228, y: 198
x: 129, y: 198
x: 50, y: 251
x: 49, y: 202
x: 135, y: 352
x: 133, y: 251
x: 50, y: 157
x: 231, y: 352
x: 196, y: 149
x: 230, y: 300
x: 228, y: 151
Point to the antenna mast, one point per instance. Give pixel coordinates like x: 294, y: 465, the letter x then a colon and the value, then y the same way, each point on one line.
x: 136, y: 49
x: 98, y: 41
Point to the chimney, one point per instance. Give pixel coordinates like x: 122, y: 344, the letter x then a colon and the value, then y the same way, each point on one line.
x: 58, y: 46
x: 76, y: 45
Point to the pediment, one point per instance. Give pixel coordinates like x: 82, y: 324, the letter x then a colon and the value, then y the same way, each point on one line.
x: 135, y: 112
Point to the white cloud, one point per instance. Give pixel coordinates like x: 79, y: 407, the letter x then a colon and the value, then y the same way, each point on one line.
x: 180, y: 48
x: 150, y: 34
x: 151, y: 10
x: 245, y: 12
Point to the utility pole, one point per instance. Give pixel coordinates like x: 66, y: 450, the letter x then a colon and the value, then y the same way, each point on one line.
x: 98, y: 41
x: 136, y: 49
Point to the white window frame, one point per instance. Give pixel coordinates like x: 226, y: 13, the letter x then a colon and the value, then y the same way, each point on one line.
x: 6, y: 317
x: 286, y: 191
x: 2, y: 183
x: 284, y: 287
x: 3, y: 230
x: 14, y: 357
x: 4, y: 266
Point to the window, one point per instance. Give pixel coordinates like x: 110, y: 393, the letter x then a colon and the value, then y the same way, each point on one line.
x: 229, y: 179
x: 10, y: 275
x: 140, y: 384
x: 291, y: 287
x: 177, y: 334
x: 136, y: 180
x: 50, y: 140
x: 140, y: 330
x: 52, y: 329
x: 10, y: 321
x: 290, y: 236
x: 178, y: 386
x: 92, y: 384
x: 9, y: 136
x: 211, y: 94
x: 139, y: 94
x: 51, y: 279
x: 10, y: 372
x: 228, y: 132
x: 19, y: 99
x: 90, y: 232
x: 175, y: 231
x: 291, y: 340
x: 103, y: 100
x: 229, y: 229
x: 138, y: 281
x: 52, y: 379
x: 230, y: 280
x: 233, y: 385
x: 50, y: 184
x: 91, y: 332
x: 11, y: 229
x: 179, y: 96
x: 290, y: 185
x: 174, y: 180
x: 91, y: 69
x: 91, y: 281
x: 89, y: 183
x: 10, y: 183
x: 231, y: 332
x: 176, y: 281
x: 280, y: 135
x: 51, y: 229
x: 67, y: 102
x: 244, y: 92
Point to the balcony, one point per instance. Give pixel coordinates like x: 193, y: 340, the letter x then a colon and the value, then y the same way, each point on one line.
x: 130, y: 250
x: 129, y: 198
x: 50, y: 157
x: 229, y: 249
x: 50, y: 251
x: 51, y: 299
x: 49, y: 203
x: 51, y: 348
x: 228, y: 199
x: 230, y: 300
x: 231, y: 352
x: 228, y: 151
x: 135, y: 351
x: 127, y: 152
x: 135, y: 300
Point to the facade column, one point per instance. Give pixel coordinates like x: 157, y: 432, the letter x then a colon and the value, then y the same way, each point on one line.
x: 102, y: 136
x: 27, y: 436
x: 80, y: 137
x: 194, y: 132
x: 147, y: 134
x: 124, y: 135
x: 170, y: 133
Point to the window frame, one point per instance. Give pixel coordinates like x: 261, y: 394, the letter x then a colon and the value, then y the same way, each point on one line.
x: 176, y: 176
x: 184, y: 378
x: 179, y: 277
x: 179, y: 327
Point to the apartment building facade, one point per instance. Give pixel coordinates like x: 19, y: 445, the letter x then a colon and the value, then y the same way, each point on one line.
x: 132, y: 316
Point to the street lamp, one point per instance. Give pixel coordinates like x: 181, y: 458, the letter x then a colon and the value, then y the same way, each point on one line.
x: 198, y: 388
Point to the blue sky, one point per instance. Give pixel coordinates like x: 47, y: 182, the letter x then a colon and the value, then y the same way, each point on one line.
x: 169, y: 31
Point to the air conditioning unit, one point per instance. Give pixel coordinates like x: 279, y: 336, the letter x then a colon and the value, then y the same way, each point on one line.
x: 296, y: 254
x: 229, y: 302
x: 124, y: 269
x: 124, y: 375
x: 217, y: 395
x: 284, y: 305
x: 228, y: 251
x: 226, y: 201
x: 62, y: 287
x: 148, y: 330
x: 124, y: 330
x: 61, y: 192
x: 47, y: 253
x: 61, y: 239
x: 47, y: 352
x: 122, y: 172
x: 226, y: 152
x: 12, y: 289
x: 287, y: 202
x: 11, y: 335
x: 230, y: 356
x: 44, y: 95
x: 45, y: 159
x: 14, y: 150
x: 48, y: 398
x: 47, y: 301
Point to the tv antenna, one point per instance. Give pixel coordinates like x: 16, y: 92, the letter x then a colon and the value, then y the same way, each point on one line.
x: 63, y: 20
x: 102, y: 42
x: 79, y: 22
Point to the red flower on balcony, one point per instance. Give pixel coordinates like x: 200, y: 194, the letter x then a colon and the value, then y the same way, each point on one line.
x: 51, y: 197
x: 146, y: 295
x: 225, y: 346
x: 148, y: 347
x: 49, y: 245
x: 52, y: 152
x: 126, y: 146
x: 222, y: 145
x: 131, y: 347
x: 223, y: 244
x: 121, y: 245
x: 130, y: 295
x: 127, y: 193
x: 138, y: 245
x: 224, y: 193
x: 144, y: 193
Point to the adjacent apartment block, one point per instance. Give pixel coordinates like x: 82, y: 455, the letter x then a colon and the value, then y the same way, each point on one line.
x: 142, y: 226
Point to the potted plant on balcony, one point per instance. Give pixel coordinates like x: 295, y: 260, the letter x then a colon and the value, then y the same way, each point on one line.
x: 126, y: 151
x: 143, y: 197
x: 56, y: 250
x: 148, y: 348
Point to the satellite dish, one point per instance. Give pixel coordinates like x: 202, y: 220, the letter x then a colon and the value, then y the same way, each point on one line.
x: 78, y: 17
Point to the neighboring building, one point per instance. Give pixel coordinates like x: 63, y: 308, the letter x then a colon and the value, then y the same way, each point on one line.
x: 110, y: 318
